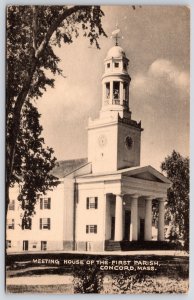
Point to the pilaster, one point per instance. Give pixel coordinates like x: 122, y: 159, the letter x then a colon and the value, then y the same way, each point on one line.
x: 161, y: 219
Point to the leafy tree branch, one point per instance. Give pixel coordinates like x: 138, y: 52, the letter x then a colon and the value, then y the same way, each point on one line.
x: 31, y: 33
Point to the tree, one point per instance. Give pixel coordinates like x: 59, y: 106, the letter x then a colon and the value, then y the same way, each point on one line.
x: 176, y: 168
x: 32, y: 31
x: 129, y: 283
x: 87, y: 279
x: 33, y: 162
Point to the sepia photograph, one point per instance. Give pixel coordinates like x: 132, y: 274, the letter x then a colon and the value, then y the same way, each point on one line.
x: 97, y: 149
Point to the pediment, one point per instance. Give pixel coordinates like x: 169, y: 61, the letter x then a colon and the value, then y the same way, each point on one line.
x: 147, y: 176
x: 147, y: 173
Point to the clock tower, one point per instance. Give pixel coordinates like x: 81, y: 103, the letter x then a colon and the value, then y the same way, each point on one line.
x: 114, y: 139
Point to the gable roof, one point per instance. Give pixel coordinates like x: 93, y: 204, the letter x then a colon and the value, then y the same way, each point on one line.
x: 146, y: 173
x: 65, y: 167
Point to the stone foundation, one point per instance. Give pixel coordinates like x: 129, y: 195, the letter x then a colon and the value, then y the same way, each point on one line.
x: 90, y: 246
x: 68, y: 245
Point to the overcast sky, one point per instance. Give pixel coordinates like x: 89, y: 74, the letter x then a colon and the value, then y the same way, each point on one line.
x: 156, y: 41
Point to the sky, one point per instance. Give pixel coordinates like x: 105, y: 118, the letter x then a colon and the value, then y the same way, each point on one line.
x: 156, y: 41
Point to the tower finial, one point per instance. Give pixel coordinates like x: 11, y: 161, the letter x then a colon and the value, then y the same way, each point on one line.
x: 115, y: 34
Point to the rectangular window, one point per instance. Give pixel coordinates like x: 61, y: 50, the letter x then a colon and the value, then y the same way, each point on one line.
x: 116, y: 65
x: 107, y: 90
x: 91, y: 228
x: 10, y: 224
x: 116, y: 90
x: 43, y: 245
x: 8, y: 244
x: 92, y: 202
x: 125, y: 94
x: 108, y: 65
x: 12, y: 205
x: 27, y: 223
x: 45, y: 203
x: 125, y: 66
x: 45, y: 223
x: 25, y: 245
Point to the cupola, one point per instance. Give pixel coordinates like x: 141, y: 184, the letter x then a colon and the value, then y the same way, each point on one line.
x: 116, y: 81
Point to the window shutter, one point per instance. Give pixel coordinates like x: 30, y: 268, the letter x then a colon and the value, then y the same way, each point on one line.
x: 49, y: 203
x: 95, y: 228
x: 87, y: 228
x: 23, y: 224
x: 12, y: 205
x: 49, y: 223
x: 40, y: 223
x: 41, y: 203
x: 96, y: 202
x: 30, y: 223
x: 87, y: 203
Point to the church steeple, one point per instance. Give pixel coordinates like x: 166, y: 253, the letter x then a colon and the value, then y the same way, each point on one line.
x: 116, y: 81
x: 114, y: 139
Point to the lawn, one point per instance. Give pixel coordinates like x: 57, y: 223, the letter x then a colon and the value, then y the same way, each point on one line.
x: 105, y: 274
x: 43, y: 289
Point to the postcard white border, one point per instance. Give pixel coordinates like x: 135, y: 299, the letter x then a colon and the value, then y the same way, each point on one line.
x: 3, y: 4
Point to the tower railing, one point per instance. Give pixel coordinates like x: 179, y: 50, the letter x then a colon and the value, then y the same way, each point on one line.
x: 117, y: 102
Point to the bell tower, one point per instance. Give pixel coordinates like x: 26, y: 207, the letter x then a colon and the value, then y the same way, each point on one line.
x: 114, y: 139
x: 115, y: 83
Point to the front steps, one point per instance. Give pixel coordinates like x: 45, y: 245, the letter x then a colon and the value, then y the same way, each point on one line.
x: 139, y: 245
x: 112, y: 246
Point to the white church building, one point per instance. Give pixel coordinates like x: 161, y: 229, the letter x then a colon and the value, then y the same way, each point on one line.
x: 106, y: 198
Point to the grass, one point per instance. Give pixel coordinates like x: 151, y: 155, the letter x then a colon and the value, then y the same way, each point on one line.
x: 170, y: 277
x: 43, y: 289
x: 146, y: 285
x: 149, y: 286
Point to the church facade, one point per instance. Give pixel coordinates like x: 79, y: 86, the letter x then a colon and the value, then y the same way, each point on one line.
x: 106, y: 197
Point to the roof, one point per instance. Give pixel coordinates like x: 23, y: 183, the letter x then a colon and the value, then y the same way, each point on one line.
x: 65, y: 167
x: 138, y: 172
x: 116, y: 52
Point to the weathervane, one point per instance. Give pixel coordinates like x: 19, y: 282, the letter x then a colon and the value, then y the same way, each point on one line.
x: 115, y: 35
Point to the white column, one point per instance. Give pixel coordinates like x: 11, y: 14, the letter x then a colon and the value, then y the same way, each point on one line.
x: 161, y: 220
x: 148, y: 219
x: 121, y: 93
x: 134, y: 218
x: 119, y: 218
x: 103, y: 93
x: 111, y: 92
